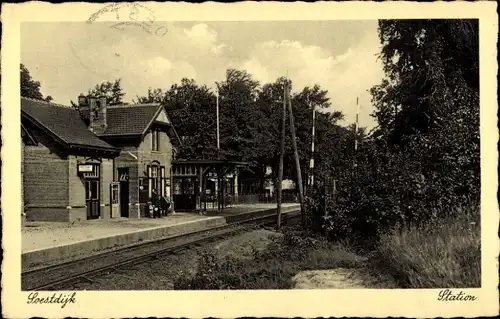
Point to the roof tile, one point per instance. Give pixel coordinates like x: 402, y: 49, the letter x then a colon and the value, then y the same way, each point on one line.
x: 63, y: 121
x: 129, y: 120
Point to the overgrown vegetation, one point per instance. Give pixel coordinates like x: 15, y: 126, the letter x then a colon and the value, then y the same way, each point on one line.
x: 442, y: 253
x: 420, y: 166
x: 272, y: 268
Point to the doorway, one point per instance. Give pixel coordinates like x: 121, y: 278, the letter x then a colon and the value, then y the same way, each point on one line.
x: 123, y: 174
x: 92, y: 190
x: 185, y: 195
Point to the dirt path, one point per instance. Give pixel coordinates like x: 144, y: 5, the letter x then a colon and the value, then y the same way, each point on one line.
x: 241, y: 246
x: 329, y: 279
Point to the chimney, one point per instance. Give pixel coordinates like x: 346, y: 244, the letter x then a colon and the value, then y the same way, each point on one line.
x: 100, y: 124
x: 83, y: 108
x: 82, y: 100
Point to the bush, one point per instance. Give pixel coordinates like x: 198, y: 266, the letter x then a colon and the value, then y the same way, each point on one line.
x: 441, y: 254
x: 273, y: 268
x: 405, y: 185
x: 231, y: 273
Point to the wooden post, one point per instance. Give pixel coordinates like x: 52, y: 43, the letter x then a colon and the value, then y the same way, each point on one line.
x: 282, y: 151
x: 297, y: 160
x: 222, y: 190
x: 200, y: 185
x: 235, y: 187
x: 217, y: 190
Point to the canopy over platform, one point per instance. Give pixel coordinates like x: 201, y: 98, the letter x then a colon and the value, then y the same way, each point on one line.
x: 191, y: 179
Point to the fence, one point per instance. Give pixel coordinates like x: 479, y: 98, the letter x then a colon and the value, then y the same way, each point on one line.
x: 239, y: 199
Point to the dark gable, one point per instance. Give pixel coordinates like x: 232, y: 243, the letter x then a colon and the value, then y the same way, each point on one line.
x: 64, y: 123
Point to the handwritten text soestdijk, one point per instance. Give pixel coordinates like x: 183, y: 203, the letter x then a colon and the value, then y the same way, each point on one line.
x: 56, y: 298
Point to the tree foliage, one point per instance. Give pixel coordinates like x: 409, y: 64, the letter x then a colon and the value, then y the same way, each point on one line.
x: 31, y: 88
x: 250, y: 121
x: 423, y: 158
x: 112, y: 90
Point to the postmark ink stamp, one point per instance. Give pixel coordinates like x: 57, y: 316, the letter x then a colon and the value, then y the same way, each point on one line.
x: 130, y: 15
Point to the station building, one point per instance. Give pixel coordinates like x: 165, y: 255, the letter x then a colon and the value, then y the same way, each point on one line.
x: 94, y: 161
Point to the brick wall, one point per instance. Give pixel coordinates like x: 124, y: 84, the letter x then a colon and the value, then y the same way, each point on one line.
x: 76, y: 184
x: 45, y: 180
x: 52, y: 188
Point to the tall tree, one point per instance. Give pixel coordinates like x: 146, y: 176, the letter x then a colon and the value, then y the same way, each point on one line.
x: 154, y: 96
x: 31, y: 88
x: 191, y: 108
x: 430, y: 101
x: 432, y: 66
x: 112, y: 90
x: 239, y: 117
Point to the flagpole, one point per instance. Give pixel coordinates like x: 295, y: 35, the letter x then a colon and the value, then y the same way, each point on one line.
x: 218, y: 146
x: 357, y: 124
x: 217, y: 105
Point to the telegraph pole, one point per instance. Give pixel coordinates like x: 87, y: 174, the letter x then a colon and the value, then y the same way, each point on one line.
x: 282, y: 151
x: 297, y: 160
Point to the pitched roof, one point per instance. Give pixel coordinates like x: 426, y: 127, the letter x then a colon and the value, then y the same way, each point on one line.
x: 62, y: 122
x: 134, y: 119
x: 130, y: 119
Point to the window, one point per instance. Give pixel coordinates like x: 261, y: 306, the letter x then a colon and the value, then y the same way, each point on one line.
x: 114, y: 193
x: 189, y: 186
x: 155, y: 140
x: 123, y: 174
x: 162, y: 177
x: 94, y: 190
x: 177, y: 186
x: 153, y: 180
x: 154, y: 177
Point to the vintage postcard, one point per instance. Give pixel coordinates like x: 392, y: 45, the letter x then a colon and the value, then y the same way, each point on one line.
x: 249, y: 159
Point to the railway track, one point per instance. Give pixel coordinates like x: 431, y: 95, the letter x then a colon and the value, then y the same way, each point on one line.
x: 63, y: 275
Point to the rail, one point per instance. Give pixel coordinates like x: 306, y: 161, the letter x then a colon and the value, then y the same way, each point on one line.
x: 62, y: 275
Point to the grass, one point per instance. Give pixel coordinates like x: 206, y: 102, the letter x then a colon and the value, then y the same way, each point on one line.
x: 273, y: 268
x: 440, y: 254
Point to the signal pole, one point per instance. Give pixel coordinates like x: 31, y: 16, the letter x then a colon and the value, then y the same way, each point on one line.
x: 297, y: 160
x: 356, y: 133
x: 311, y: 162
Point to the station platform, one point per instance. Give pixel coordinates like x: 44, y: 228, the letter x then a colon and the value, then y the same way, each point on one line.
x: 46, y: 243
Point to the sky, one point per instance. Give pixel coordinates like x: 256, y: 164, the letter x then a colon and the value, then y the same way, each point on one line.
x: 68, y: 58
